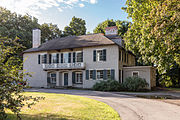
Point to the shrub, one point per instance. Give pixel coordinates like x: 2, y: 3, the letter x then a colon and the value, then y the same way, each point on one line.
x: 109, y: 85
x: 134, y: 84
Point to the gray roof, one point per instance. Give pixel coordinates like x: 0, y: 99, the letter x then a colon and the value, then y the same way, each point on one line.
x: 71, y: 42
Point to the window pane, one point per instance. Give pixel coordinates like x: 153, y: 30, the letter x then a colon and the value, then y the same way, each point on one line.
x: 65, y: 55
x: 91, y: 74
x: 99, y: 74
x: 108, y: 74
x: 54, y: 58
x: 99, y: 55
x: 79, y: 57
x: 135, y: 74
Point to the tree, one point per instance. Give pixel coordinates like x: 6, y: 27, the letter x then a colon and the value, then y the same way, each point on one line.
x: 76, y: 27
x: 49, y: 31
x: 122, y: 26
x: 154, y: 34
x: 11, y: 96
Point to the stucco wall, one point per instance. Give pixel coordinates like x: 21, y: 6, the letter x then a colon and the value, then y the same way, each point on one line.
x: 144, y: 72
x: 112, y: 57
x: 39, y: 77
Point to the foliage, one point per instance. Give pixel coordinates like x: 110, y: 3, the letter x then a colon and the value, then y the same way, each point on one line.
x: 66, y: 107
x: 122, y: 26
x: 134, y: 84
x: 155, y: 33
x: 109, y: 85
x: 10, y: 77
x: 49, y: 31
x: 76, y: 27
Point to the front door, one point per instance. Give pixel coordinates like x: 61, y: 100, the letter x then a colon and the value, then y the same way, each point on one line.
x: 65, y: 79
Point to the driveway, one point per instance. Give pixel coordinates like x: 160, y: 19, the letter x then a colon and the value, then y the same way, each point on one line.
x: 128, y: 107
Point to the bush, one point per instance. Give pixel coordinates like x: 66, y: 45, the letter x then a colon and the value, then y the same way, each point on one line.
x: 109, y: 85
x: 134, y: 84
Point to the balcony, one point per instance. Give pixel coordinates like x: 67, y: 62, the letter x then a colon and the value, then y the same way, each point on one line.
x: 64, y: 66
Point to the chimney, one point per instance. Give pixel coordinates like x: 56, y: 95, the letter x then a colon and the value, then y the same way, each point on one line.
x: 111, y: 30
x: 36, y: 38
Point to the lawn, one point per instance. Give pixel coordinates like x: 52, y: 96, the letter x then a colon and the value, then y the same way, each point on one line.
x: 66, y: 107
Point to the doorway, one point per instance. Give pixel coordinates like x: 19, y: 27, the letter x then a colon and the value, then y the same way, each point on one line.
x: 65, y: 79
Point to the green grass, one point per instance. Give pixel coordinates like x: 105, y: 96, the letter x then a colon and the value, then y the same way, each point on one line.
x: 66, y: 107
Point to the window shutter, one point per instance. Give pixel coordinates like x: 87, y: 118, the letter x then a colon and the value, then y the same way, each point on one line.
x: 81, y: 56
x: 61, y: 57
x: 105, y: 75
x: 49, y: 58
x: 69, y: 57
x: 39, y: 59
x: 94, y: 55
x: 57, y: 58
x: 112, y: 74
x: 120, y: 55
x: 94, y: 74
x: 74, y: 57
x: 104, y: 54
x: 45, y: 58
x: 87, y: 74
x: 73, y: 77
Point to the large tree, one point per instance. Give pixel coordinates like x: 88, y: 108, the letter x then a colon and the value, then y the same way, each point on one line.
x: 77, y: 26
x: 122, y: 26
x: 155, y: 34
x: 11, y: 79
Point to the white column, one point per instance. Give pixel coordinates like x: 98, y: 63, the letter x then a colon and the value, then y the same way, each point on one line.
x: 70, y: 78
x: 57, y: 78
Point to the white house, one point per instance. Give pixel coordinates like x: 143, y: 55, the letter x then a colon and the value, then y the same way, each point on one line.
x: 81, y: 61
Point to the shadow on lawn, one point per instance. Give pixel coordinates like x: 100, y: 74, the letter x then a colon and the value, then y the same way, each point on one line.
x: 41, y: 116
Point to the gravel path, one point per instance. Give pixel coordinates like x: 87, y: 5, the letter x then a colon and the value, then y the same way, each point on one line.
x: 128, y: 107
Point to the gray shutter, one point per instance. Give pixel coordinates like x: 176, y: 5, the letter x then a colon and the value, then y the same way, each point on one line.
x: 94, y: 55
x: 104, y: 74
x: 112, y: 74
x: 104, y: 54
x: 57, y: 58
x: 87, y: 74
x: 94, y: 74
x: 74, y: 57
x: 120, y: 55
x: 49, y: 58
x: 69, y: 57
x: 73, y: 77
x: 61, y: 57
x: 39, y: 59
x: 45, y: 58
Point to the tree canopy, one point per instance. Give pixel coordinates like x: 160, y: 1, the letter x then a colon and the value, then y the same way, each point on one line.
x: 122, y: 26
x: 155, y: 34
x: 76, y: 27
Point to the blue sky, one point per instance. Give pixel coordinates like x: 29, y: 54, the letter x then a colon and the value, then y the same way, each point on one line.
x: 60, y: 12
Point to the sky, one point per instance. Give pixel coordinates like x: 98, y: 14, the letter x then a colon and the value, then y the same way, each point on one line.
x: 60, y: 12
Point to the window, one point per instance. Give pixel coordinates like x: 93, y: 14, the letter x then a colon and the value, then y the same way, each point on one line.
x: 91, y: 74
x: 79, y: 56
x: 135, y: 73
x: 53, y: 78
x: 79, y: 78
x: 44, y: 58
x: 100, y: 55
x: 108, y: 74
x: 54, y: 58
x: 99, y: 74
x: 65, y: 57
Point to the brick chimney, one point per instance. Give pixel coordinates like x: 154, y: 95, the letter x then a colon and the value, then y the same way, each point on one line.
x: 36, y: 38
x: 111, y: 30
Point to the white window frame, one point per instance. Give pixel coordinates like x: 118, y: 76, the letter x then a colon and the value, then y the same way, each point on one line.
x: 52, y: 81
x: 76, y: 80
x: 64, y: 57
x: 98, y: 58
x: 76, y: 59
x: 99, y: 75
x: 135, y: 72
x: 53, y: 57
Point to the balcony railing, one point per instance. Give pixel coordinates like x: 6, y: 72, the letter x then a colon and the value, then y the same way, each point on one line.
x: 64, y: 66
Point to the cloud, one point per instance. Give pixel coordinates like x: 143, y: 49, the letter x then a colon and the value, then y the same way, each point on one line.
x: 34, y: 7
x: 81, y: 5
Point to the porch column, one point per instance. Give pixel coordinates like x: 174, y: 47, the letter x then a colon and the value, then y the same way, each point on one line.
x: 57, y: 78
x: 70, y: 78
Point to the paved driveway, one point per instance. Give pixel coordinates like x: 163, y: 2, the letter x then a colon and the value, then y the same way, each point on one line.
x: 128, y: 107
